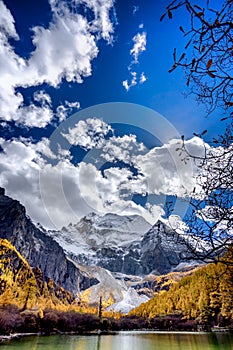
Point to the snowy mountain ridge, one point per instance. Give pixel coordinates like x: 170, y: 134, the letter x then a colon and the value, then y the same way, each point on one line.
x: 126, y: 244
x: 95, y: 232
x: 110, y: 246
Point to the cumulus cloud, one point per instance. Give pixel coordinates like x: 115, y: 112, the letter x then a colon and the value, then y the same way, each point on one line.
x: 19, y: 174
x: 102, y: 190
x: 166, y: 171
x: 122, y: 148
x: 49, y: 191
x: 88, y: 133
x: 103, y: 11
x: 102, y: 17
x: 42, y: 97
x: 56, y: 192
x: 126, y: 85
x: 176, y: 224
x: 7, y: 23
x: 70, y: 44
x: 70, y: 40
x: 112, y: 191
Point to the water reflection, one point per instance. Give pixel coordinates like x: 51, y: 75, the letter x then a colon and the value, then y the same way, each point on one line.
x: 98, y: 343
x: 126, y: 341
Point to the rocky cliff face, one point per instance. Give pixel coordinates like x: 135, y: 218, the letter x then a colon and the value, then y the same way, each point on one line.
x: 162, y: 249
x: 39, y: 249
x: 159, y: 251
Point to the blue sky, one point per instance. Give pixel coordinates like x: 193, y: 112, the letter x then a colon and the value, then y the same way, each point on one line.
x: 161, y: 91
x: 61, y: 57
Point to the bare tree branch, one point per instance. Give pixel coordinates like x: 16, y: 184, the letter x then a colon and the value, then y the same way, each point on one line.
x: 207, y: 59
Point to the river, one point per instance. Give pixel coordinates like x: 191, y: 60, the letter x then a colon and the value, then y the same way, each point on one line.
x: 125, y: 341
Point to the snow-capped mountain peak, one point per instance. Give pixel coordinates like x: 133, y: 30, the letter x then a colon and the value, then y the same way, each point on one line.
x: 131, y: 223
x: 95, y: 232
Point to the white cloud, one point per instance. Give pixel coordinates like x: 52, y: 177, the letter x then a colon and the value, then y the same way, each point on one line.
x: 28, y: 177
x: 134, y: 80
x: 35, y: 116
x: 42, y: 97
x: 143, y: 78
x: 19, y: 174
x: 139, y: 45
x: 127, y: 85
x: 176, y: 224
x: 56, y: 192
x: 70, y: 41
x: 108, y: 192
x: 70, y: 44
x: 7, y: 23
x: 75, y: 105
x: 88, y: 133
x: 62, y: 112
x: 67, y: 108
x: 62, y: 201
x: 102, y: 22
x: 122, y: 148
x: 43, y: 148
x: 166, y: 172
x: 135, y: 9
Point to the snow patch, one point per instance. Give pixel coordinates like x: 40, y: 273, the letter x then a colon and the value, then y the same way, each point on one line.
x: 131, y: 299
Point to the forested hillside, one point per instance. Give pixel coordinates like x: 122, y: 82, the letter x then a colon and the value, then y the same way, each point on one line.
x: 32, y: 302
x: 206, y: 295
x: 26, y: 287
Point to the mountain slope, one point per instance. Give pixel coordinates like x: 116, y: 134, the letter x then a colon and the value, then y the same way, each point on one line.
x: 163, y: 249
x: 39, y: 249
x: 16, y: 276
x: 26, y: 287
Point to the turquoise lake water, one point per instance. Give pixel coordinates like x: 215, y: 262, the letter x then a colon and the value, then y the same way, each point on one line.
x: 125, y: 341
